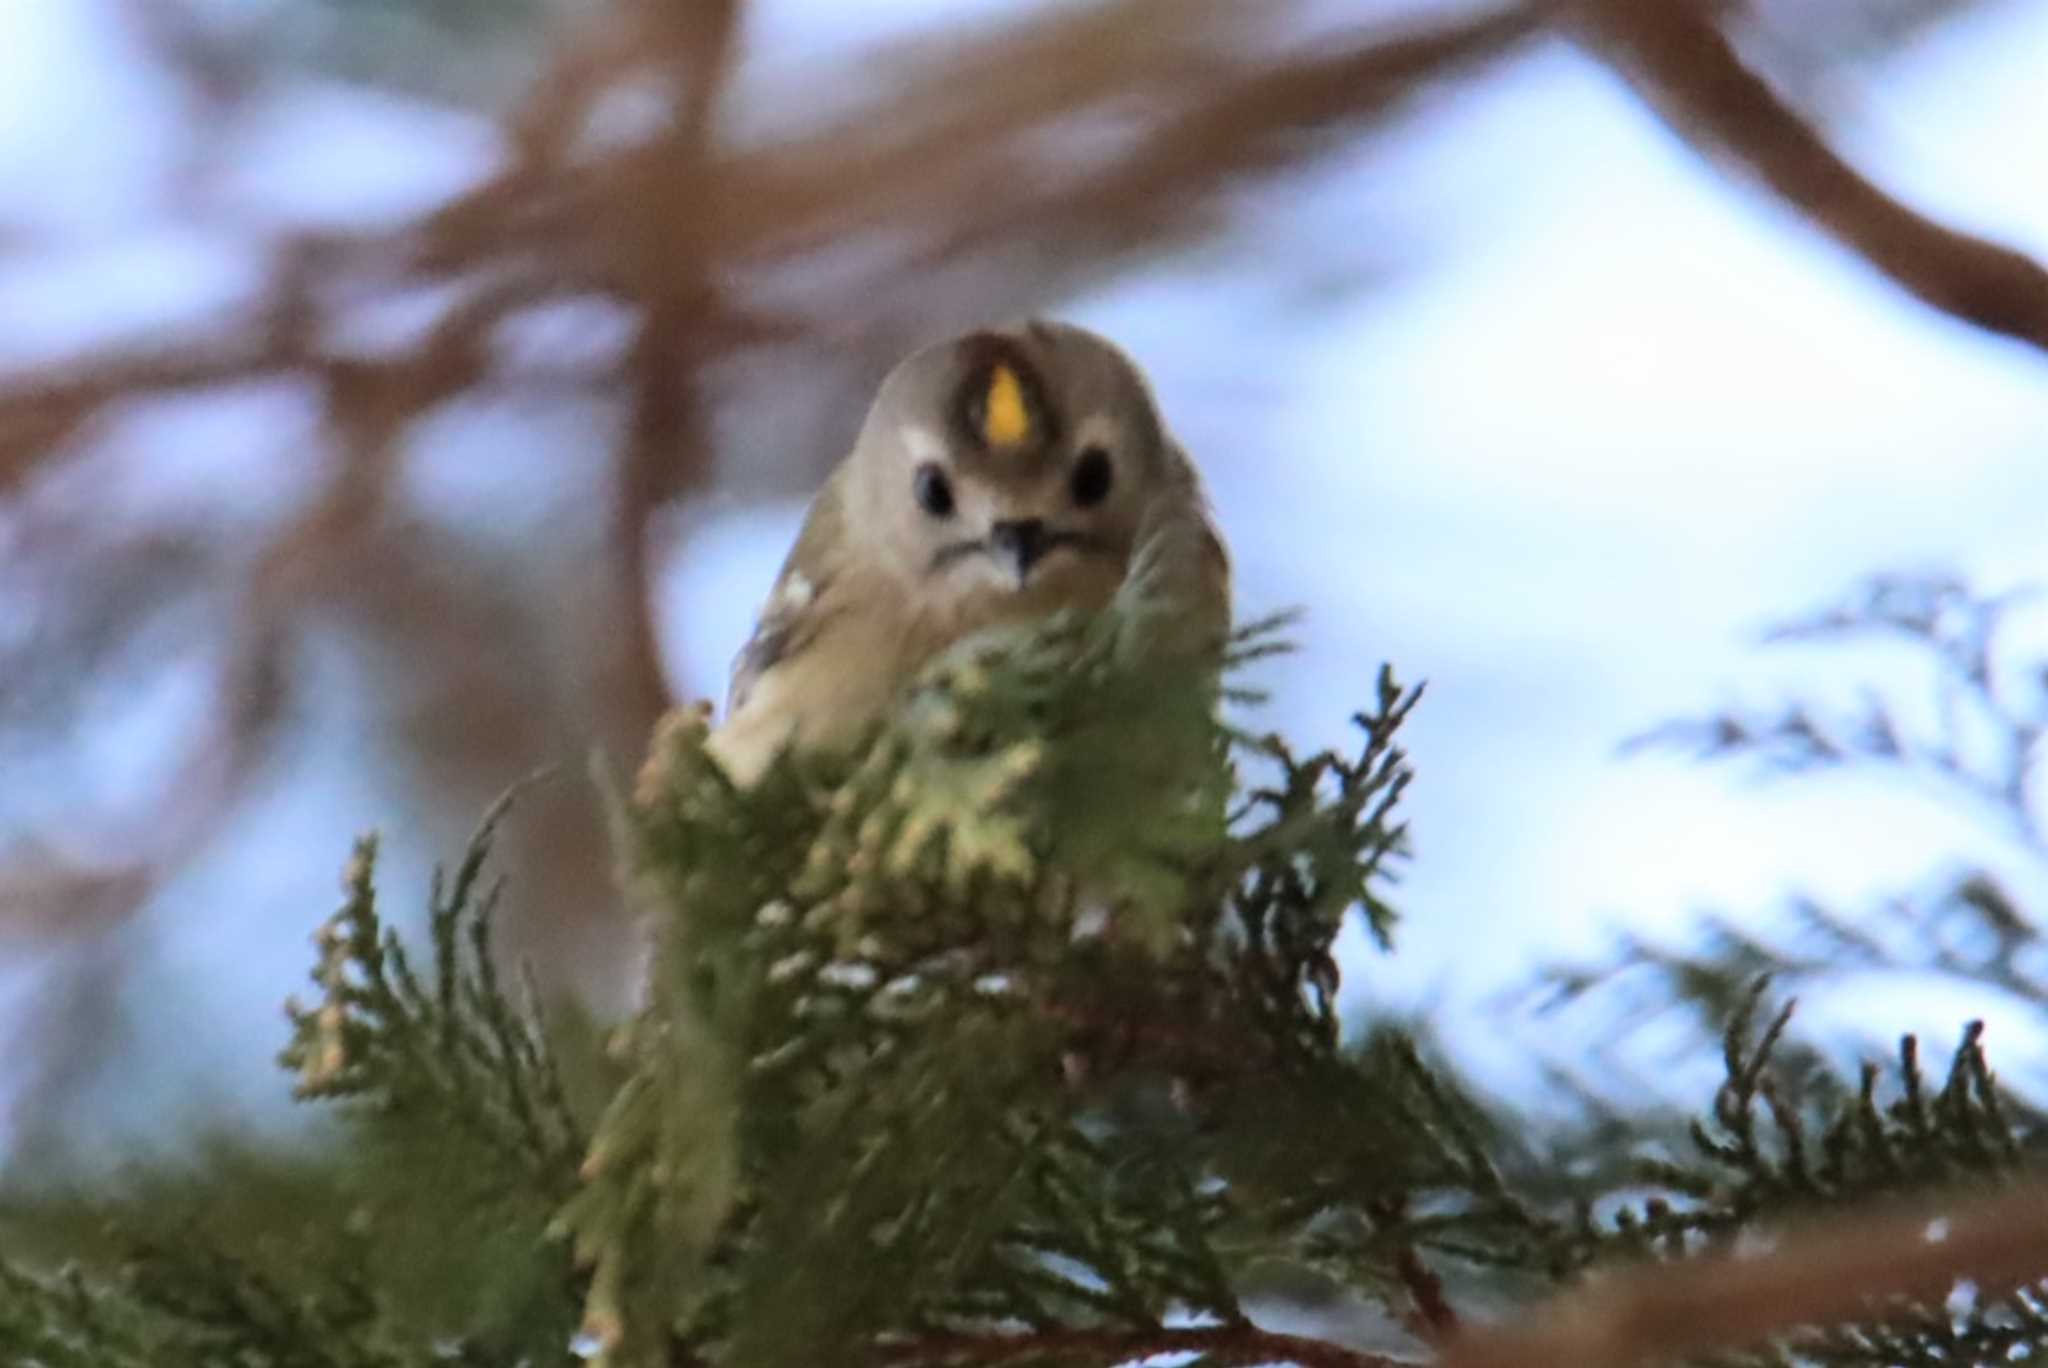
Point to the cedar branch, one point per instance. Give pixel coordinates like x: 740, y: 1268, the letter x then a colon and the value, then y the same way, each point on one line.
x: 1220, y: 1346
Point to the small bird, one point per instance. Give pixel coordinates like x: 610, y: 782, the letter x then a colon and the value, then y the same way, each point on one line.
x: 999, y: 476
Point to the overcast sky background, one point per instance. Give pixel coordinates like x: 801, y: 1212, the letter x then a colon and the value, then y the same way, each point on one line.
x: 1606, y: 415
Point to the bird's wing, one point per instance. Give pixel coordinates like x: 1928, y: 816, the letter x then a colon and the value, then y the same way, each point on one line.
x: 798, y: 606
x: 1179, y: 581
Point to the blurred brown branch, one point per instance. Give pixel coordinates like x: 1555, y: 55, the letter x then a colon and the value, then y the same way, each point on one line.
x: 1687, y: 69
x: 948, y: 164
x: 1834, y: 1273
x: 1830, y: 1274
x: 950, y: 168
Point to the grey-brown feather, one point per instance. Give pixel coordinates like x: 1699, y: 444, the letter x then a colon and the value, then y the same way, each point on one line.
x: 797, y: 607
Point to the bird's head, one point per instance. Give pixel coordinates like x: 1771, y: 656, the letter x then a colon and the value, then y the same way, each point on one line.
x: 1012, y: 460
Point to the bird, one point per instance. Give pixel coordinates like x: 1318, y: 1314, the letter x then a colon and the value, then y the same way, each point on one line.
x: 999, y: 476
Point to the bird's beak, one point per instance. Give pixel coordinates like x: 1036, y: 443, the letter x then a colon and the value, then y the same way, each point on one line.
x: 1020, y: 544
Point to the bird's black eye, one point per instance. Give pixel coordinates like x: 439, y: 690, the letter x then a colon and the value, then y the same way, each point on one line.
x: 934, y: 491
x: 1092, y: 477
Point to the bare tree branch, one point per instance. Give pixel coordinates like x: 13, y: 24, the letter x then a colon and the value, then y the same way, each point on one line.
x: 1687, y: 69
x: 668, y: 444
x: 1835, y: 1273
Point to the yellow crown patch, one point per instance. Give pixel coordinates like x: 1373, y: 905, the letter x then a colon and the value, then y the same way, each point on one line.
x: 1005, y: 417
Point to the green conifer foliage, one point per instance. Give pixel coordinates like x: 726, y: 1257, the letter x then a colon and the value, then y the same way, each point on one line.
x: 1007, y: 1036
x: 899, y: 997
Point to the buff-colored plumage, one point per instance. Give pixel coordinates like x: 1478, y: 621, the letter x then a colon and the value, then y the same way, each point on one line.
x: 999, y: 476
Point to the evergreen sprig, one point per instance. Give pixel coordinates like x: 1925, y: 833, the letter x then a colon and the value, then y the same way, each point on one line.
x: 456, y: 1049
x: 1777, y: 1143
x: 195, y: 1306
x: 419, y: 1239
